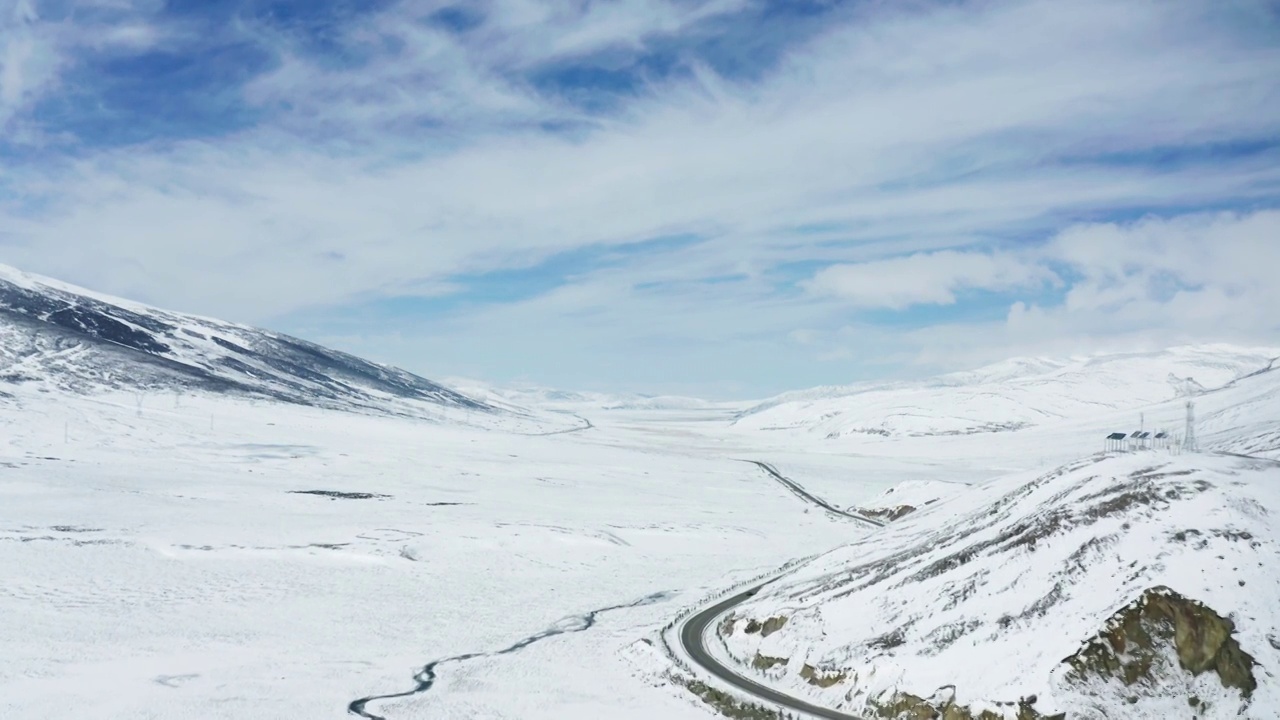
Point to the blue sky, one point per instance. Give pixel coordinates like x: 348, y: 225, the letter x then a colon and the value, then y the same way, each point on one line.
x: 726, y: 198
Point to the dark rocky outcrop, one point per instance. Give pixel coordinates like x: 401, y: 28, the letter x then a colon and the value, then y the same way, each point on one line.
x: 888, y: 514
x: 766, y: 628
x: 1135, y: 642
x: 821, y: 677
x: 726, y: 704
x: 1143, y: 646
x: 905, y: 706
x: 764, y: 662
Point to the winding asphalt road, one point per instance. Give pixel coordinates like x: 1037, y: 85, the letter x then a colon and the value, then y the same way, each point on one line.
x: 809, y: 497
x: 693, y: 632
x: 691, y: 639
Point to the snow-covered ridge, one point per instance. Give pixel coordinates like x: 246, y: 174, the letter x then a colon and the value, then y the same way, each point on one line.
x: 62, y: 336
x: 963, y: 594
x: 1008, y: 396
x: 1016, y: 587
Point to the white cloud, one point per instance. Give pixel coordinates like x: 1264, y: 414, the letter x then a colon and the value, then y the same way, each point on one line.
x: 952, y: 143
x: 534, y: 31
x: 418, y: 71
x: 909, y: 128
x: 925, y: 278
x: 26, y: 61
x: 35, y: 51
x: 1145, y: 285
x: 1197, y: 273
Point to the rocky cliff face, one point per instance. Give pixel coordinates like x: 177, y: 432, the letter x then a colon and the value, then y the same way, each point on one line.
x: 1164, y: 641
x: 1158, y: 645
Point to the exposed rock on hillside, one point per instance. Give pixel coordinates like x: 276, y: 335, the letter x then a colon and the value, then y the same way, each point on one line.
x: 1145, y: 644
x: 888, y: 514
x: 1031, y: 597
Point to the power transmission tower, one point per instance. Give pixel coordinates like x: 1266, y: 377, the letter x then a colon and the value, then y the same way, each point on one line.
x: 1189, y: 436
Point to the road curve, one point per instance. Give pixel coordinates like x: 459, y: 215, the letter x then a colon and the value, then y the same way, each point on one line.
x: 809, y: 497
x: 692, y: 635
x: 694, y: 630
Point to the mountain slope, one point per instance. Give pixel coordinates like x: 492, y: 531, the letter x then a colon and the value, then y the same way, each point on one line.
x: 995, y: 596
x: 1137, y: 585
x: 1008, y: 396
x: 56, y: 335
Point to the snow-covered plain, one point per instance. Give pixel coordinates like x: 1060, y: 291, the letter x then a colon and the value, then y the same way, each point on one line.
x: 595, y: 402
x: 169, y: 560
x: 162, y: 565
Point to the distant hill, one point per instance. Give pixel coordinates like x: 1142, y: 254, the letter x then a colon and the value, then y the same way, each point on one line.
x: 1007, y: 396
x: 59, y: 336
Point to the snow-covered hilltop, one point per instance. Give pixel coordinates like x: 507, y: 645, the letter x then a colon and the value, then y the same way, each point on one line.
x: 1011, y: 395
x: 1036, y: 592
x: 55, y: 335
x: 1137, y: 585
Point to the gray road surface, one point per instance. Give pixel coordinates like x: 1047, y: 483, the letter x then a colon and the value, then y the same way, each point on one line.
x: 691, y: 639
x: 809, y: 497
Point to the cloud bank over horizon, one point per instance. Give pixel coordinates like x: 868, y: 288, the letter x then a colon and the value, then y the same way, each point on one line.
x: 713, y: 197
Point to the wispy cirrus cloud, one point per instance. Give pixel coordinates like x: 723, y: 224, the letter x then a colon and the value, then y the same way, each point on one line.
x: 359, y: 156
x: 40, y: 42
x: 27, y: 60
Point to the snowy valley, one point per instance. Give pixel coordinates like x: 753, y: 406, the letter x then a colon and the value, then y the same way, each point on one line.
x: 204, y: 520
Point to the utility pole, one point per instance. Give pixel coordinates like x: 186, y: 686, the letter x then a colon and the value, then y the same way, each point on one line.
x: 1189, y: 436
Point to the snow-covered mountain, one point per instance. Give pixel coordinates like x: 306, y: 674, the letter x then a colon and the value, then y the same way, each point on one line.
x: 1137, y: 585
x: 1010, y: 395
x: 1037, y: 595
x: 60, y: 336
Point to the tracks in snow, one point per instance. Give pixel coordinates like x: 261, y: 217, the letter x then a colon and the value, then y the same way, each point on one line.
x: 426, y: 677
